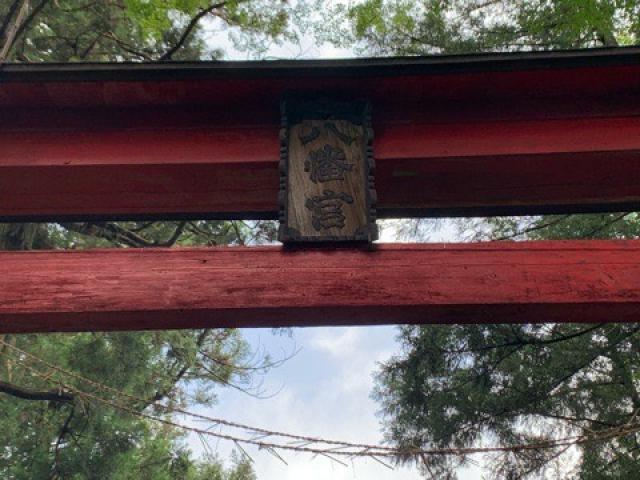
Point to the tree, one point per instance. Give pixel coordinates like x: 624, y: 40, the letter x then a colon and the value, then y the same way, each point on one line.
x: 46, y: 432
x: 405, y: 27
x: 138, y: 30
x: 52, y: 433
x: 458, y: 386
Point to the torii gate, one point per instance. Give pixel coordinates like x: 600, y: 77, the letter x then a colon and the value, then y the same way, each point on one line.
x: 525, y: 133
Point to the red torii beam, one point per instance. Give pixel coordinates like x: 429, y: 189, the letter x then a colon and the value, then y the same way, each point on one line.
x: 462, y: 135
x: 479, y: 135
x: 266, y: 286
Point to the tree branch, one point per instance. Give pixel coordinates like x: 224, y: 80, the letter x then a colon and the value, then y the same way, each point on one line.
x: 28, y: 394
x: 521, y: 342
x: 606, y: 225
x: 160, y: 394
x: 34, y: 13
x: 63, y: 432
x: 126, y: 47
x: 176, y: 235
x: 109, y: 231
x: 5, y: 23
x: 115, y: 233
x: 533, y: 228
x: 12, y: 29
x: 189, y: 28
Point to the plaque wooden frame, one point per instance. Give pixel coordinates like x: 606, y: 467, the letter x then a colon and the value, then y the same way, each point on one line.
x: 296, y: 112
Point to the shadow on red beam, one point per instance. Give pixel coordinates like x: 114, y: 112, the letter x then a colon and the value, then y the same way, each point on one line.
x: 585, y: 281
x: 484, y: 168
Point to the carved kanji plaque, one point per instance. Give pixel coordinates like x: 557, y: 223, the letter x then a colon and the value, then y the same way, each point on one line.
x: 326, y: 173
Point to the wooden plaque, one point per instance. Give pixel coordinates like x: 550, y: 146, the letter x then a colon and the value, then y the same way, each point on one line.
x: 326, y: 173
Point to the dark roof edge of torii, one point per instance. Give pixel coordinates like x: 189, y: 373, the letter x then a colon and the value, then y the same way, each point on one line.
x: 352, y: 67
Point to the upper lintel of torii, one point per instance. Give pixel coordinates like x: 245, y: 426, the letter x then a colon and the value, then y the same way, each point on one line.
x: 451, y: 135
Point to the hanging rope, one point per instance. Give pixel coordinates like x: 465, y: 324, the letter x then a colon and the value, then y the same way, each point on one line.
x: 311, y: 445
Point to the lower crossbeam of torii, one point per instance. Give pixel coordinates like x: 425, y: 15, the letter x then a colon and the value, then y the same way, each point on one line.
x: 135, y: 289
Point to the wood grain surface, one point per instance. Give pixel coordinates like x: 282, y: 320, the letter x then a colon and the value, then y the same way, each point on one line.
x: 460, y: 167
x: 341, y: 196
x: 46, y: 291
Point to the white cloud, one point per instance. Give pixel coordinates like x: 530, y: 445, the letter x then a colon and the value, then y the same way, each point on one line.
x: 336, y: 342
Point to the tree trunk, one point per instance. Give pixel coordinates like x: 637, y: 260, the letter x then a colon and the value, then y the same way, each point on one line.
x: 12, y: 27
x: 22, y: 236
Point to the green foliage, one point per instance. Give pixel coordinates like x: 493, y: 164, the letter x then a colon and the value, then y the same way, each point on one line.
x: 554, y: 227
x: 510, y: 384
x: 507, y: 384
x: 84, y: 440
x: 154, y: 16
x: 403, y: 27
x: 142, y: 30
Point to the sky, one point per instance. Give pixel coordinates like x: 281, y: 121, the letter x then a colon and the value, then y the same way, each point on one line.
x: 217, y: 37
x: 325, y: 389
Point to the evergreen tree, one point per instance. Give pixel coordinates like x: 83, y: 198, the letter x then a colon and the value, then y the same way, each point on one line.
x: 406, y: 27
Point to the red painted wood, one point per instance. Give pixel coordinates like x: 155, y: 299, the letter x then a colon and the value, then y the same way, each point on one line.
x: 422, y: 167
x: 595, y: 281
x: 522, y: 133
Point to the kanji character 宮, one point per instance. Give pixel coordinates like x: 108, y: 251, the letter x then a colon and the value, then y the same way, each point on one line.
x: 326, y: 209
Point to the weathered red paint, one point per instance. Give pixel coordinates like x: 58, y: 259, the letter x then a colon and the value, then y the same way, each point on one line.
x: 422, y: 168
x: 266, y: 286
x: 525, y: 133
